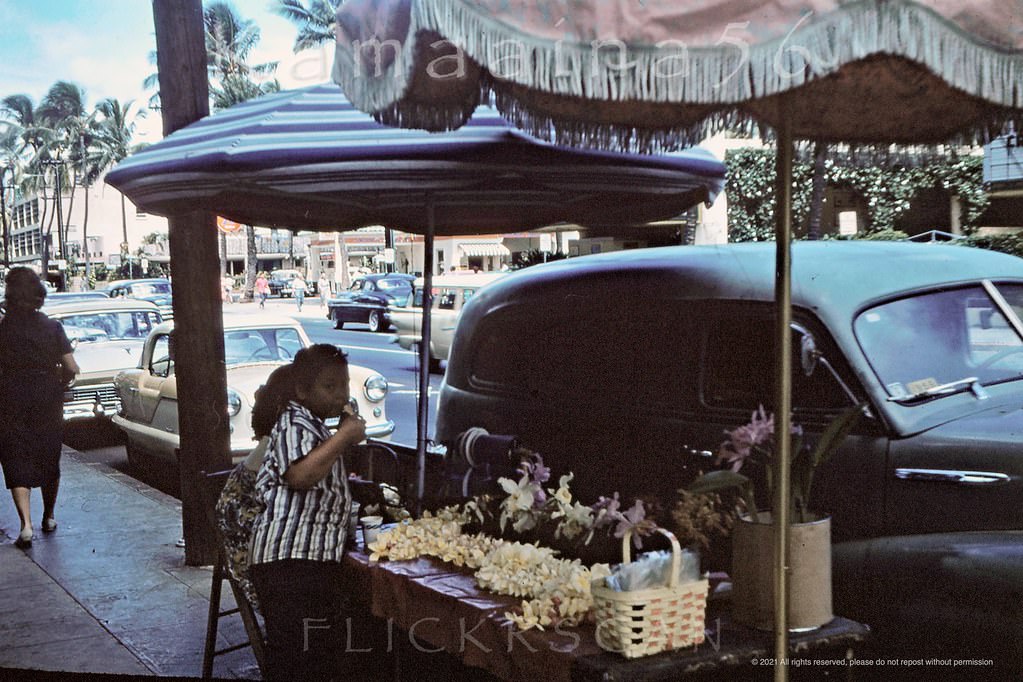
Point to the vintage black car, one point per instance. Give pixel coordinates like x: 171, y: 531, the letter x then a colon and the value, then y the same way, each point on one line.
x: 368, y: 298
x: 280, y: 283
x: 627, y: 368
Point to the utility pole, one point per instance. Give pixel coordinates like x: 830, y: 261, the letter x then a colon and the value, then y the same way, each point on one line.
x: 3, y: 212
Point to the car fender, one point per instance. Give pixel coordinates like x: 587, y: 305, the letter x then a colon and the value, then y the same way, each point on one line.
x: 917, y: 591
x: 408, y: 341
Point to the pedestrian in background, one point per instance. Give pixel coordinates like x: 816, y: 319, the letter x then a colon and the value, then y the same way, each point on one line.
x: 323, y: 289
x: 226, y: 285
x: 36, y: 363
x: 298, y: 287
x: 262, y: 289
x: 299, y: 538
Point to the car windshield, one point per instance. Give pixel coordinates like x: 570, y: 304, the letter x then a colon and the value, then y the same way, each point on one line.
x: 261, y: 345
x: 109, y: 326
x: 150, y: 289
x: 928, y: 340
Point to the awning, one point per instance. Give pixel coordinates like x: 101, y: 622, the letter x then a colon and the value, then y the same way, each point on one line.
x: 472, y: 250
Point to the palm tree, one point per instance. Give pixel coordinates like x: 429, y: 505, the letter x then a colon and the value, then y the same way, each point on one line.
x: 114, y: 129
x: 20, y: 114
x: 229, y: 41
x: 62, y: 113
x: 315, y: 23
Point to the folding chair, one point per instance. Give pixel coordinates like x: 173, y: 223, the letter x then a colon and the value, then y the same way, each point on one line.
x: 212, y: 485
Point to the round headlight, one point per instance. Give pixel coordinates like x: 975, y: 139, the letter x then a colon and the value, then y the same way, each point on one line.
x: 234, y: 403
x: 375, y: 388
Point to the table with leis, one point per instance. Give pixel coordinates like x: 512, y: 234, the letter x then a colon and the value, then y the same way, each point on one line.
x: 435, y: 608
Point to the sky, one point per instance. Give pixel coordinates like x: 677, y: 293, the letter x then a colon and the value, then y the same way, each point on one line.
x: 104, y: 45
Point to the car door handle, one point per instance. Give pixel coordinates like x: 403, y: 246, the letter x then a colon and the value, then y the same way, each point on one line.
x: 953, y: 476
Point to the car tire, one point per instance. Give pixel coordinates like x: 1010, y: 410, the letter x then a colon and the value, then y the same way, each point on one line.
x: 375, y: 321
x: 338, y: 324
x: 434, y: 363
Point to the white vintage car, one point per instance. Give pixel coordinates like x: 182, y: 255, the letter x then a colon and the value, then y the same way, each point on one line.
x: 108, y: 336
x: 254, y: 345
x: 450, y: 293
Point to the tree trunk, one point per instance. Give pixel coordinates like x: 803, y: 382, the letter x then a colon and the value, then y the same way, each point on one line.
x: 70, y: 205
x: 125, y: 251
x: 85, y: 239
x: 251, y: 264
x: 223, y: 253
x: 199, y: 327
x: 817, y: 187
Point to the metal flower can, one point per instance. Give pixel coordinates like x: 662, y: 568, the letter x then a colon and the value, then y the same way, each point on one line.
x: 809, y: 562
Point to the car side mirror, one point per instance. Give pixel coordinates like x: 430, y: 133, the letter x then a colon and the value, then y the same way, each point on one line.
x: 808, y: 353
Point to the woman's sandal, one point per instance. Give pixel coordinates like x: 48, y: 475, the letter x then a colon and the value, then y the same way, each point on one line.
x: 24, y: 540
x: 49, y: 525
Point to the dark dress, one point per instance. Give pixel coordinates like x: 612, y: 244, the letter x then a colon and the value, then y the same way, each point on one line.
x: 31, y: 398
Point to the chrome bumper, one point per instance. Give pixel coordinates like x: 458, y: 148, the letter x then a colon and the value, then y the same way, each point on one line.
x: 89, y: 402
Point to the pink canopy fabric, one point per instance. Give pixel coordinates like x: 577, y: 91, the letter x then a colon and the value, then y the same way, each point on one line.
x: 656, y: 74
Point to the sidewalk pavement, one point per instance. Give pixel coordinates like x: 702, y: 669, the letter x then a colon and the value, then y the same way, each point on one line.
x: 108, y: 592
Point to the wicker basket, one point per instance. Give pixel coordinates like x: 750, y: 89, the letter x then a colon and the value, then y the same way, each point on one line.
x: 650, y: 621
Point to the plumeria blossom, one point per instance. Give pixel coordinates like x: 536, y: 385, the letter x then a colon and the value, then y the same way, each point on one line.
x: 554, y: 591
x: 634, y: 519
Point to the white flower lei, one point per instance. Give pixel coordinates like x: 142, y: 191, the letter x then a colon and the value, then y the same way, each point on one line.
x: 555, y: 590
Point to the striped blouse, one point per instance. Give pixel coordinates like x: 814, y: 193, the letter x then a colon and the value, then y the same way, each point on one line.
x: 299, y: 524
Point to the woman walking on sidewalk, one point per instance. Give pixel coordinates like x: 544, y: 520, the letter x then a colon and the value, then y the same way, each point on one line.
x: 36, y: 363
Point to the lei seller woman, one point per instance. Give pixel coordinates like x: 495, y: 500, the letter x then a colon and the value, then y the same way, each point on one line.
x: 298, y: 540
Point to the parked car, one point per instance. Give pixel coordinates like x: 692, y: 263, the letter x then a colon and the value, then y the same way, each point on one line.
x: 369, y: 299
x: 107, y: 336
x: 153, y: 289
x: 450, y: 293
x: 280, y: 282
x: 626, y: 369
x: 65, y: 296
x: 254, y: 345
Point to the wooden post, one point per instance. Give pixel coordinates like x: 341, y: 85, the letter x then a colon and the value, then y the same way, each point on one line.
x: 198, y: 325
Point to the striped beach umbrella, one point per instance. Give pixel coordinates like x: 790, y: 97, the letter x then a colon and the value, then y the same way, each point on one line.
x: 306, y: 159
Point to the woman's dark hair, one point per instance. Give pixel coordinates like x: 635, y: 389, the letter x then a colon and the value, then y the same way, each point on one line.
x: 310, y: 362
x: 25, y: 291
x: 271, y: 399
